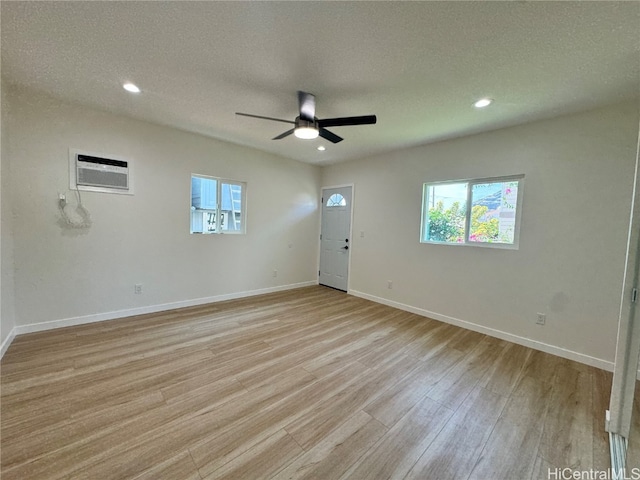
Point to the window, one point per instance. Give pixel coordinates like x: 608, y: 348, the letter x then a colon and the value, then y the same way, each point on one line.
x: 482, y: 212
x: 336, y: 200
x: 217, y: 205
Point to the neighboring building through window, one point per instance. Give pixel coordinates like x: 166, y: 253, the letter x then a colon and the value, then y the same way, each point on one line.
x: 217, y: 205
x: 473, y: 212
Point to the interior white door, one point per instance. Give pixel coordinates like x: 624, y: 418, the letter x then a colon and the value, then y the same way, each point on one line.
x: 334, y: 238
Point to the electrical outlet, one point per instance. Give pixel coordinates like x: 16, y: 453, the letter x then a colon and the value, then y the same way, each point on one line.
x: 275, y: 273
x: 541, y: 318
x: 137, y: 289
x: 389, y: 284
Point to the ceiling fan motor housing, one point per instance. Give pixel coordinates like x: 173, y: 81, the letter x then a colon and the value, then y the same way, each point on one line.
x: 302, y: 123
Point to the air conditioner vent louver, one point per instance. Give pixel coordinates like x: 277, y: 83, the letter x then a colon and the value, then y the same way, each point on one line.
x: 101, y: 174
x: 98, y: 178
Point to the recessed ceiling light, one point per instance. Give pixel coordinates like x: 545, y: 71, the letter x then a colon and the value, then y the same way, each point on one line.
x: 483, y: 102
x: 321, y: 148
x: 130, y: 87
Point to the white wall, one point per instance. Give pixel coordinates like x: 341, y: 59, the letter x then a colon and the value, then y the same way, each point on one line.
x: 577, y: 195
x: 64, y: 274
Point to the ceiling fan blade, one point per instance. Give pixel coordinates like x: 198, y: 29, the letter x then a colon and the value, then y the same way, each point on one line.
x: 265, y: 118
x: 307, y: 104
x: 332, y: 137
x: 343, y: 121
x: 285, y: 134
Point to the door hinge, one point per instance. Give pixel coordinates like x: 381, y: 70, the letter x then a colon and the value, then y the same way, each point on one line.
x: 318, y: 272
x: 634, y: 295
x: 320, y: 236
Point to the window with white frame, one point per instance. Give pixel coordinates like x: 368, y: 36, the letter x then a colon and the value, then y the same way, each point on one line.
x: 217, y: 205
x: 484, y: 212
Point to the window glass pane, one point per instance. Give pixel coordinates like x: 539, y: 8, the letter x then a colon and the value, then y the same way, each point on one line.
x: 231, y: 207
x: 203, y: 193
x: 445, y: 212
x: 217, y: 206
x: 203, y: 204
x: 336, y: 200
x: 493, y: 212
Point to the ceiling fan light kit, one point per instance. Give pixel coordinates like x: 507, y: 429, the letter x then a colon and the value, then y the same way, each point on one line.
x: 307, y: 126
x: 305, y: 129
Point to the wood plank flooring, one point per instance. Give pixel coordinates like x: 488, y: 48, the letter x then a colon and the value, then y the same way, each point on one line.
x: 304, y: 384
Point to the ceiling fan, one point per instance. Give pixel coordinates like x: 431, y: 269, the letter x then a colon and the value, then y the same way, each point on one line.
x: 307, y: 126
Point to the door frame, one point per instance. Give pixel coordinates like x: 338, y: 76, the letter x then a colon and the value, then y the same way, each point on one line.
x: 353, y: 199
x: 625, y: 369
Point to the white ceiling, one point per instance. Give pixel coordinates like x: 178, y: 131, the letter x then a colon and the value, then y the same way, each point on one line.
x: 418, y: 66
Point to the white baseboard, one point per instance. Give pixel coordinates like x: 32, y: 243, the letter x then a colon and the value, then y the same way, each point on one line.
x: 67, y: 322
x: 7, y: 341
x: 552, y: 349
x: 100, y: 317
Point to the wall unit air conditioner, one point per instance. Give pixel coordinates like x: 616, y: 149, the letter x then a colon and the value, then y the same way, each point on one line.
x: 100, y: 173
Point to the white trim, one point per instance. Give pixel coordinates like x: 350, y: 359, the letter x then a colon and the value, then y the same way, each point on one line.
x: 628, y: 338
x: 343, y: 185
x: 7, y: 342
x: 544, y: 347
x: 100, y: 317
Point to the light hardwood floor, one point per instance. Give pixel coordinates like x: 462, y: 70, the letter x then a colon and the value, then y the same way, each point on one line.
x: 309, y: 383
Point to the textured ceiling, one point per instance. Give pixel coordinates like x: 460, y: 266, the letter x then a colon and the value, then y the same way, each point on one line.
x: 418, y: 65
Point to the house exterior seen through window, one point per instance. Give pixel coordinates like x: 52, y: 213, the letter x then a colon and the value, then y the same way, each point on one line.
x: 217, y: 205
x: 483, y: 212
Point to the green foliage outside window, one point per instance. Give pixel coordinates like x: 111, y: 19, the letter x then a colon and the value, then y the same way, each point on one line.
x: 483, y: 231
x: 446, y: 225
